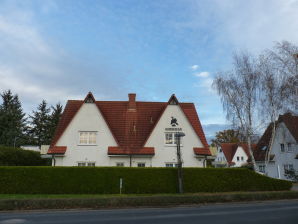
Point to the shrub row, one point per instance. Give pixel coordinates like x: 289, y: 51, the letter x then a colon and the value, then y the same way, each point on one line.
x: 105, y: 180
x: 18, y: 157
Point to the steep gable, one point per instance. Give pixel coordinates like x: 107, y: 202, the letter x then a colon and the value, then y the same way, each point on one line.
x: 130, y: 122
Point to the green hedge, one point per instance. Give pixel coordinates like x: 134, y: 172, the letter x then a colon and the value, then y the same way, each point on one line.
x: 19, y: 157
x: 105, y: 180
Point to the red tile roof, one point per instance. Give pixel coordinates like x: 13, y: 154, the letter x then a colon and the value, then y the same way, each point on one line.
x: 229, y: 150
x: 131, y: 123
x: 120, y: 151
x: 57, y: 150
x: 202, y: 151
x: 291, y: 122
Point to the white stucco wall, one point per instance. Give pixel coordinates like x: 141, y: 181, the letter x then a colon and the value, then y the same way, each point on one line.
x: 167, y: 154
x: 241, y: 154
x: 88, y: 118
x: 281, y: 158
x: 220, y: 159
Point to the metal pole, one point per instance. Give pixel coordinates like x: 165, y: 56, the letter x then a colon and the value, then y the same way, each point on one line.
x: 180, y: 175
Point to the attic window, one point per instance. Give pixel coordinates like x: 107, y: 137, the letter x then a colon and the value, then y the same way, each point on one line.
x: 89, y: 98
x: 173, y: 100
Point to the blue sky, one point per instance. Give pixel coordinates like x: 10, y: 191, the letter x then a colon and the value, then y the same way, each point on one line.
x: 59, y: 50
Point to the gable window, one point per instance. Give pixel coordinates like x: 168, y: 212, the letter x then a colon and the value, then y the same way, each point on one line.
x: 171, y: 139
x: 141, y: 164
x: 87, y: 138
x: 242, y: 158
x: 238, y: 159
x: 120, y: 164
x: 282, y: 147
x: 290, y: 148
x: 262, y: 168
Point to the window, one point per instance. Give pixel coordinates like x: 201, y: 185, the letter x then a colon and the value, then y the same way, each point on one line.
x: 290, y: 149
x: 262, y: 168
x: 171, y: 139
x: 141, y: 164
x: 86, y: 163
x: 171, y: 165
x: 288, y: 167
x: 220, y: 150
x: 242, y: 158
x: 119, y: 164
x: 87, y: 138
x: 282, y: 147
x: 238, y: 158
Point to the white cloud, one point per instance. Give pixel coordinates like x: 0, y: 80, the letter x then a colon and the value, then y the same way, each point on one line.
x: 194, y: 67
x: 202, y: 74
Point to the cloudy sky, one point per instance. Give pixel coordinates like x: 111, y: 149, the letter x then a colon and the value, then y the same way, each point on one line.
x: 59, y: 50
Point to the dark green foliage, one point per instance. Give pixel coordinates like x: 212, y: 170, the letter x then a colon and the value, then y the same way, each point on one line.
x: 54, y: 118
x: 105, y: 180
x: 40, y: 125
x: 19, y: 157
x: 12, y: 121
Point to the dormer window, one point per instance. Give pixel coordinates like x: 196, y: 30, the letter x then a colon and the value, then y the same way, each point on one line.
x: 87, y: 138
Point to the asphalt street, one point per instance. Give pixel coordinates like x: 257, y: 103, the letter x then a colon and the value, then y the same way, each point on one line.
x: 256, y: 212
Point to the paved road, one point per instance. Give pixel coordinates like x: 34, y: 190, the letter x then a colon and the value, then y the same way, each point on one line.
x: 262, y: 212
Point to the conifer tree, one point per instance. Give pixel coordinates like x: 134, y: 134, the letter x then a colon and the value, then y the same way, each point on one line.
x: 55, y: 117
x: 40, y: 124
x: 12, y: 120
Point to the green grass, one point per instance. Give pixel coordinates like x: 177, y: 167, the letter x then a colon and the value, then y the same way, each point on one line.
x: 96, y: 201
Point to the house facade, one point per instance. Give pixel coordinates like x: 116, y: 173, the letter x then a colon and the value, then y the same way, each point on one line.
x: 128, y: 133
x: 283, y: 155
x: 232, y: 155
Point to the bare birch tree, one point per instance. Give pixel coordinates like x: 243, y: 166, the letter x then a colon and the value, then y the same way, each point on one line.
x: 238, y: 90
x: 279, y: 84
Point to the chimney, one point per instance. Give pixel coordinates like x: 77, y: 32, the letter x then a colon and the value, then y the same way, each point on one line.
x: 132, y: 101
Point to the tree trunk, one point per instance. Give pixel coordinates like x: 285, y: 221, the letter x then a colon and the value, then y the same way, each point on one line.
x: 251, y: 153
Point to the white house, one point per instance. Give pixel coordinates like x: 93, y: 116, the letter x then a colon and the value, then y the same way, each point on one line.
x: 232, y: 155
x: 284, y: 151
x: 128, y: 133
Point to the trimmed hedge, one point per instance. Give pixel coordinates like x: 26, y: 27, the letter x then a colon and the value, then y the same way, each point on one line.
x: 105, y: 180
x: 19, y: 157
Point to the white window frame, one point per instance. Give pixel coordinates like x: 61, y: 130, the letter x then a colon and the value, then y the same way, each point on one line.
x: 262, y: 168
x: 288, y: 167
x: 88, y: 138
x: 80, y: 164
x: 290, y: 147
x: 86, y: 163
x: 174, y: 139
x: 120, y: 164
x: 171, y: 164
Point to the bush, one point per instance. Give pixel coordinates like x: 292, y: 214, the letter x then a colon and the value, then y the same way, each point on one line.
x: 18, y: 157
x: 105, y: 180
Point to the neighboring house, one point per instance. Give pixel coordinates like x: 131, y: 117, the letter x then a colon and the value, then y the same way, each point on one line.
x: 128, y: 133
x: 232, y: 155
x: 284, y: 150
x: 30, y: 147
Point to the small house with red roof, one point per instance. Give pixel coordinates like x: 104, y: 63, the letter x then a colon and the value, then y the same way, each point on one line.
x: 232, y: 155
x: 128, y: 133
x: 279, y: 150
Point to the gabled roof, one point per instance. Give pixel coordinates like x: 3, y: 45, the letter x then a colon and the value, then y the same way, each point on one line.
x: 291, y: 122
x: 130, y: 127
x: 229, y: 150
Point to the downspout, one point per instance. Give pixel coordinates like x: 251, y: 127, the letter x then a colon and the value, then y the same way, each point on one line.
x: 53, y: 159
x: 130, y: 160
